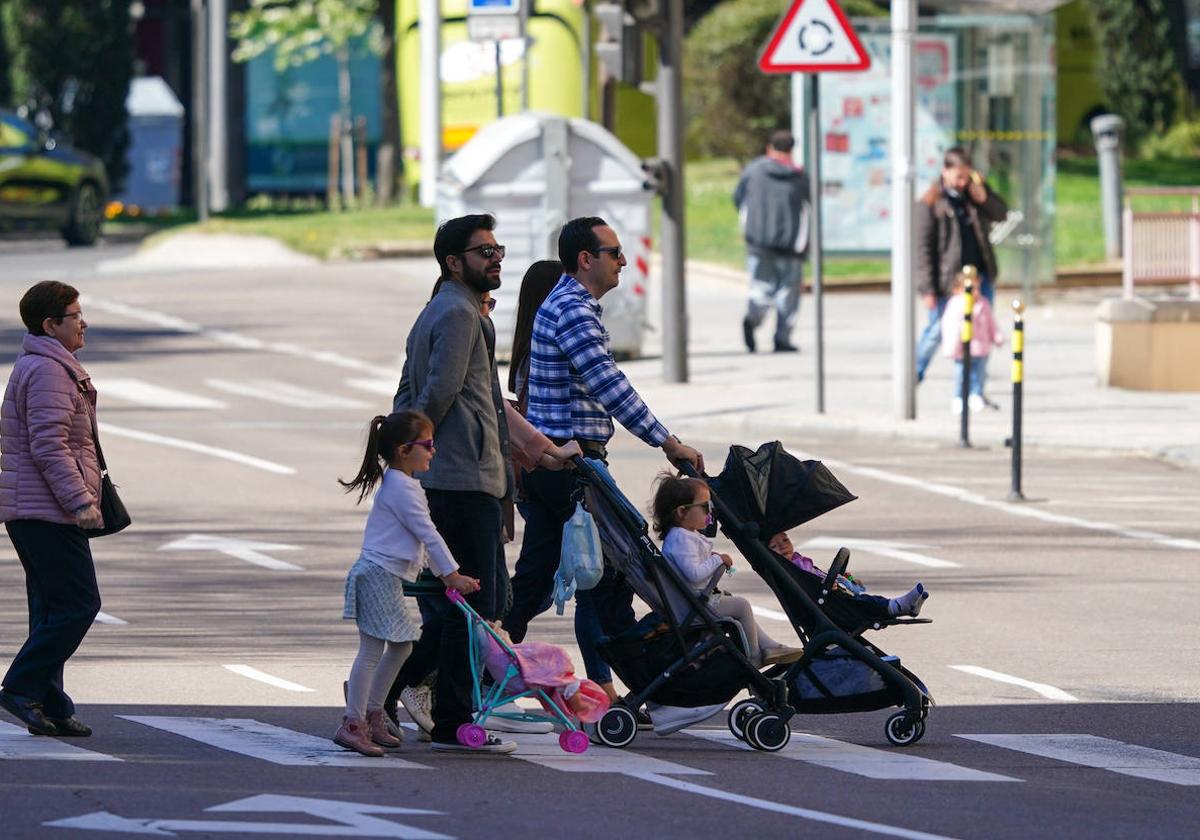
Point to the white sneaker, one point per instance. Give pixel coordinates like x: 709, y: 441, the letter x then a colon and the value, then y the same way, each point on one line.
x: 418, y: 702
x: 526, y: 727
x: 491, y: 745
x: 668, y: 719
x: 975, y: 403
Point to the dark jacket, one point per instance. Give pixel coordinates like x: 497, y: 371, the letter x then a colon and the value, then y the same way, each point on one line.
x: 939, y: 240
x: 772, y: 199
x: 450, y: 374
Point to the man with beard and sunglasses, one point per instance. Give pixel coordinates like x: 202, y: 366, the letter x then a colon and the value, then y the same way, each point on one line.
x: 450, y: 375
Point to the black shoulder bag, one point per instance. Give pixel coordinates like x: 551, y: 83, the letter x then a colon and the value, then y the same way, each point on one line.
x: 116, y: 517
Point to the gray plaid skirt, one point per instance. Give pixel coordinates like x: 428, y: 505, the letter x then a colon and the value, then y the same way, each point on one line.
x: 375, y: 600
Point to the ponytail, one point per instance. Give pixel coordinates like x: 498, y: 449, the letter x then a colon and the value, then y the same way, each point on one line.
x: 385, y: 435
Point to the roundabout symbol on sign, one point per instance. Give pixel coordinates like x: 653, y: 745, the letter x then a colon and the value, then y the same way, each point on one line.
x: 824, y: 38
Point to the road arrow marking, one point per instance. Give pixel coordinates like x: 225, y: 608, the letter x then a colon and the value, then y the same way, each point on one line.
x: 350, y: 819
x: 895, y: 550
x: 1104, y: 754
x: 249, y: 551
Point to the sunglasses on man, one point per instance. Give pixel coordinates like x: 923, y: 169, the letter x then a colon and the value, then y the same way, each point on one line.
x: 486, y: 251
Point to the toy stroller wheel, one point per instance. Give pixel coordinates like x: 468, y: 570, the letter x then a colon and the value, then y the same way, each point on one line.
x: 471, y: 735
x: 742, y: 712
x: 903, y: 730
x: 573, y: 741
x: 617, y: 728
x: 768, y: 732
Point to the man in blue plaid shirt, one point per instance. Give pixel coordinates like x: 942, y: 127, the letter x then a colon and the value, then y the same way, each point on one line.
x: 575, y: 391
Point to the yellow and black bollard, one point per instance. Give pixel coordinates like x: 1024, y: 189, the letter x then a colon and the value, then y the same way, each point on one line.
x: 1018, y: 381
x: 964, y: 436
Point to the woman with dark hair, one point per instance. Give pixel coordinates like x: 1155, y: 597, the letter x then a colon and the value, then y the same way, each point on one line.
x: 49, y: 498
x: 539, y: 279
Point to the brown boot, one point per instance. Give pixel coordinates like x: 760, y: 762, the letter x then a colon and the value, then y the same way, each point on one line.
x: 378, y: 728
x: 354, y: 735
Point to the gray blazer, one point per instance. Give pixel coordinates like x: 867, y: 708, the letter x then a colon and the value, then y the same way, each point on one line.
x: 449, y: 374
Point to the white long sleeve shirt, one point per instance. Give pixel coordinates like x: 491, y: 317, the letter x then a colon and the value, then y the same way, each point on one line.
x: 691, y: 553
x: 400, y: 536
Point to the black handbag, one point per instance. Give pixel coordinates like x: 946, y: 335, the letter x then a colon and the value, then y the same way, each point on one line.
x: 116, y: 517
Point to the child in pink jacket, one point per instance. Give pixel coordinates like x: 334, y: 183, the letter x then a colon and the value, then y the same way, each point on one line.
x: 984, y: 336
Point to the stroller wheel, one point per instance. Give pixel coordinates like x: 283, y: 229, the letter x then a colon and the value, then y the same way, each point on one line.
x: 573, y: 741
x: 903, y: 729
x: 768, y: 732
x: 741, y: 712
x: 471, y: 735
x: 617, y: 728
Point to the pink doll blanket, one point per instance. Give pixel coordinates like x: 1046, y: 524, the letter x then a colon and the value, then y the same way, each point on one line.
x: 549, y: 667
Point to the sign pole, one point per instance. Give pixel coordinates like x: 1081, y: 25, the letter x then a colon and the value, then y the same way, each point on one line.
x: 813, y: 158
x: 904, y: 328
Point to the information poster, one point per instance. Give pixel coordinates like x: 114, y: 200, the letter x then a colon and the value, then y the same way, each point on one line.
x: 856, y: 123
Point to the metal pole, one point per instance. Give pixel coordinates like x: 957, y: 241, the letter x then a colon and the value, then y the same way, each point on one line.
x: 670, y: 149
x: 218, y: 133
x: 1018, y: 380
x: 200, y: 109
x: 430, y: 25
x: 800, y: 153
x: 964, y: 389
x: 499, y: 83
x: 904, y: 19
x: 814, y: 230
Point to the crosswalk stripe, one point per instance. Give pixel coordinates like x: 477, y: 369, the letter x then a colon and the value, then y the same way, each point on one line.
x: 385, y: 387
x: 860, y: 760
x: 268, y: 743
x: 283, y: 393
x: 545, y: 751
x: 105, y: 618
x: 154, y: 396
x: 16, y: 742
x: 1104, y: 754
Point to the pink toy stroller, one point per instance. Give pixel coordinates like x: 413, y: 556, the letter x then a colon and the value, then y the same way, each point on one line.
x: 530, y: 669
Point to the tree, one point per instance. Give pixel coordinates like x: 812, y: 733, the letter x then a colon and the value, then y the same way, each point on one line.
x: 74, y: 61
x: 1141, y: 78
x: 300, y: 31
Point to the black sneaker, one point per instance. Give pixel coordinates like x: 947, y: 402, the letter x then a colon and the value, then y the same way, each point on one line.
x: 786, y: 347
x: 643, y: 718
x: 748, y: 334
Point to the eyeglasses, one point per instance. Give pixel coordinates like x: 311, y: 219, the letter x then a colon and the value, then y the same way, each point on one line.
x: 490, y: 303
x: 486, y: 251
x: 615, y: 250
x: 426, y: 444
x: 78, y: 316
x: 707, y: 505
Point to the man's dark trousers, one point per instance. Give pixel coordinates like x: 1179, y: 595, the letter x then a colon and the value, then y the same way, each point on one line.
x: 64, y: 598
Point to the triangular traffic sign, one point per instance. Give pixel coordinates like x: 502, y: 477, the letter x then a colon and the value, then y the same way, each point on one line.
x: 814, y: 36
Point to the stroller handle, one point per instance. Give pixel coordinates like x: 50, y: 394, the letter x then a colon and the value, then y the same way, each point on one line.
x: 455, y: 596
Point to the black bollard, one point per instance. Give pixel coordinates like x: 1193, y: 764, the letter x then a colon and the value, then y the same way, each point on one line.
x: 964, y: 432
x: 1018, y: 380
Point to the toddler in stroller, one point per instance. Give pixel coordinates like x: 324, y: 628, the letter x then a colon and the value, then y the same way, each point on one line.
x: 529, y: 669
x: 849, y: 589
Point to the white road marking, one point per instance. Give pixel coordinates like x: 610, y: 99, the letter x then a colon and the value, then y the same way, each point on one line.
x: 263, y: 677
x: 1047, y: 691
x: 191, y: 446
x: 105, y: 618
x: 894, y: 550
x: 1025, y: 510
x: 1103, y: 753
x: 790, y: 810
x: 154, y: 396
x: 860, y: 760
x: 350, y: 819
x: 545, y: 751
x: 17, y: 743
x: 269, y: 743
x: 284, y: 394
x: 248, y: 551
x: 385, y: 387
x: 774, y: 615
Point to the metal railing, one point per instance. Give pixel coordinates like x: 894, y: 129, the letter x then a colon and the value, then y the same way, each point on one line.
x: 1161, y: 247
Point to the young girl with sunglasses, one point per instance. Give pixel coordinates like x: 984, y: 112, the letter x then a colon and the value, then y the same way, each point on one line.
x: 682, y: 508
x: 400, y: 539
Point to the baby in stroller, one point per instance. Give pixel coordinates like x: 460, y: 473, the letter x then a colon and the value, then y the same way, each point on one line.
x: 682, y: 509
x: 872, y: 606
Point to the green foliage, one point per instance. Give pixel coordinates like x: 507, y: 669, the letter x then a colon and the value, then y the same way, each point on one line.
x: 732, y: 106
x: 75, y: 60
x: 1182, y: 141
x: 300, y: 31
x: 1141, y: 80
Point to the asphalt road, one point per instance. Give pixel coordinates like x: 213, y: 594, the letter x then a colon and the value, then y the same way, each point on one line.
x: 1062, y: 650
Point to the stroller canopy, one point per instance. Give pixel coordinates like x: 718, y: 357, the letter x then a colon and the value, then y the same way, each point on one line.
x: 775, y: 490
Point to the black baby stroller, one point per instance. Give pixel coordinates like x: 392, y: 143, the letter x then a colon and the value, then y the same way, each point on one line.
x: 682, y: 653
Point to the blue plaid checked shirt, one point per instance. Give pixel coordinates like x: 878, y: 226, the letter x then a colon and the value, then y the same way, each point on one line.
x: 575, y: 386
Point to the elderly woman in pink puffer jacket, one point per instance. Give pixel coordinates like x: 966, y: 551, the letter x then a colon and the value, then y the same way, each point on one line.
x: 49, y: 494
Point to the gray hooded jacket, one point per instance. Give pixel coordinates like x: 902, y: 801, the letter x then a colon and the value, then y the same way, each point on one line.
x: 773, y: 204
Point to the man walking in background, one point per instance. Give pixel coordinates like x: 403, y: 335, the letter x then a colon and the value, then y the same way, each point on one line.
x: 773, y: 200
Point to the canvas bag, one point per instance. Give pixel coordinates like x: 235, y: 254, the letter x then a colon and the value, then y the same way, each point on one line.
x: 581, y: 559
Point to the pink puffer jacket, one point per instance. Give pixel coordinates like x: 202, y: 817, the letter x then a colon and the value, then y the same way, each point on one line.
x: 48, y: 464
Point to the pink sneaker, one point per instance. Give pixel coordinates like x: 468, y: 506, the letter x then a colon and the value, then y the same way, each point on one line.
x: 354, y: 735
x: 378, y: 728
